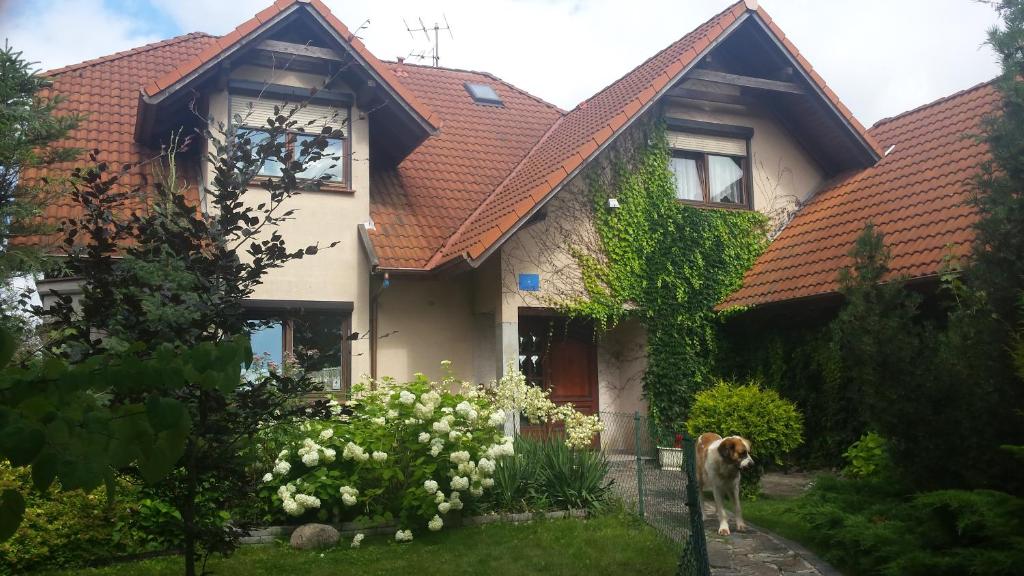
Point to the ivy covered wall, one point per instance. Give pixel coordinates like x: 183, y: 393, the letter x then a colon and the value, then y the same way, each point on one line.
x: 665, y: 262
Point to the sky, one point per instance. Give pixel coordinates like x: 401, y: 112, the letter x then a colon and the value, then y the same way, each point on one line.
x: 882, y: 57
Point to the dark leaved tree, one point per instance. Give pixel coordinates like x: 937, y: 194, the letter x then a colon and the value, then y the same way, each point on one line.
x: 174, y: 276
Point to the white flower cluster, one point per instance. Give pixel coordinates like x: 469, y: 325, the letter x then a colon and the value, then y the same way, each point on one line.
x: 311, y: 452
x: 357, y: 540
x: 403, y: 536
x: 512, y: 393
x: 406, y: 397
x: 436, y: 445
x: 435, y: 523
x: 467, y: 411
x: 430, y: 486
x: 295, y: 504
x: 379, y: 456
x: 504, y: 448
x: 496, y: 419
x: 348, y: 495
x: 355, y: 452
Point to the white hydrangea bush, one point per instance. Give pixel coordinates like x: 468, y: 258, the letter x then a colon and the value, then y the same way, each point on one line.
x: 412, y: 453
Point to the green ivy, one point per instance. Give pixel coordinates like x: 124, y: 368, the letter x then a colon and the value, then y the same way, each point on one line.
x: 669, y: 264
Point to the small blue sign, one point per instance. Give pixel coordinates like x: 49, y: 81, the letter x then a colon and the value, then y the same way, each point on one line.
x: 529, y: 282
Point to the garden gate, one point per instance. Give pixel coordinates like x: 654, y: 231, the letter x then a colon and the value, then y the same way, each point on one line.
x: 664, y: 494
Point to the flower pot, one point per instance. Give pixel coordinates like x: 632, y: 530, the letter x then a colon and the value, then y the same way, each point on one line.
x: 670, y: 458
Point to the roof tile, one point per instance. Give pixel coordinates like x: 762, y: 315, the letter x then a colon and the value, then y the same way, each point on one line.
x: 916, y: 196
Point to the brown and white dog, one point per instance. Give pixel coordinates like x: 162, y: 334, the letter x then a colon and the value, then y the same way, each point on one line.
x: 719, y: 462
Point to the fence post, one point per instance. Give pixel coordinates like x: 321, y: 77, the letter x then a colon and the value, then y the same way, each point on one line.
x: 639, y: 465
x: 698, y: 543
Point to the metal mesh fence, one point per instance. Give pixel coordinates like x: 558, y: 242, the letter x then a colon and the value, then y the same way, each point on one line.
x: 658, y: 484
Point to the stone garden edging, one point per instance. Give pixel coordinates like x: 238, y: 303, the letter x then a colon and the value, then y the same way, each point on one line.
x: 272, y: 533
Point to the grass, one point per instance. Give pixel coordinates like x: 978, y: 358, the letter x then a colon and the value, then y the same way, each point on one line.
x: 609, y: 544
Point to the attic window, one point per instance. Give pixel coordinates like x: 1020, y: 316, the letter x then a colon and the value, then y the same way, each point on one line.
x: 484, y: 94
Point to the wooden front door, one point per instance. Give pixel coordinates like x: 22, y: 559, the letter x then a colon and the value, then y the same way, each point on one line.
x: 560, y: 355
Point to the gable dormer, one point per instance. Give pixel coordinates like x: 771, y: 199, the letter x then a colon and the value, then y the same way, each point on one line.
x: 299, y: 39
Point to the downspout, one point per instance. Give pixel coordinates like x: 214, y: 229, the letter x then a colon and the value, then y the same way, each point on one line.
x: 374, y: 322
x: 371, y: 256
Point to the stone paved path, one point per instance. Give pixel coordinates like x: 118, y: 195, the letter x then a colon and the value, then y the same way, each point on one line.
x: 751, y: 553
x: 757, y: 553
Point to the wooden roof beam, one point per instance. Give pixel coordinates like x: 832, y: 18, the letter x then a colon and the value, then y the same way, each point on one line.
x: 299, y: 50
x: 745, y: 81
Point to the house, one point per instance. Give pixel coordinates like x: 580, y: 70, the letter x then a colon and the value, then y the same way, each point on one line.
x: 457, y: 187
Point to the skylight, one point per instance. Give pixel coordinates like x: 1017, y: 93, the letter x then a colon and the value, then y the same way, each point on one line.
x: 483, y: 94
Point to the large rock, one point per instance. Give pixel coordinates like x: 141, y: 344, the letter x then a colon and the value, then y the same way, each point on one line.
x: 313, y: 536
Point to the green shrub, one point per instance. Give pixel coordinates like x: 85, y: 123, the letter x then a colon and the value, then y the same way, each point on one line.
x: 873, y: 526
x: 574, y: 478
x: 64, y: 529
x: 517, y: 486
x: 545, y: 474
x: 772, y: 424
x: 866, y: 457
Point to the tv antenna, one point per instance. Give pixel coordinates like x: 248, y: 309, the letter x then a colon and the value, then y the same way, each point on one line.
x: 436, y: 30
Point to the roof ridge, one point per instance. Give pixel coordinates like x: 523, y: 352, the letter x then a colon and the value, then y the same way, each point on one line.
x: 439, y: 254
x: 936, y: 102
x: 482, y: 73
x: 670, y: 45
x: 129, y: 52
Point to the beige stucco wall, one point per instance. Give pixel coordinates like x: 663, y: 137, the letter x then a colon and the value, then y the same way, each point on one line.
x: 781, y: 172
x: 423, y: 321
x: 780, y: 168
x: 338, y: 274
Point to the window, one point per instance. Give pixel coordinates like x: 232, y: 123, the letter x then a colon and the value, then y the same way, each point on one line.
x: 315, y: 341
x: 710, y: 169
x: 250, y: 113
x: 484, y: 94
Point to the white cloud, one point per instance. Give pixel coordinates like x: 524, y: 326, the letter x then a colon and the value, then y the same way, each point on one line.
x: 61, y: 32
x: 881, y: 56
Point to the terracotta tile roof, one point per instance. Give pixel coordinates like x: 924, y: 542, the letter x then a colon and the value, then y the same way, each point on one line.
x: 463, y: 187
x: 106, y: 90
x: 157, y: 86
x: 420, y: 204
x: 577, y: 138
x: 915, y: 196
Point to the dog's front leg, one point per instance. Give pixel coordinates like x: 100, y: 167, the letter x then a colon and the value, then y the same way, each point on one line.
x: 723, y: 520
x: 740, y: 524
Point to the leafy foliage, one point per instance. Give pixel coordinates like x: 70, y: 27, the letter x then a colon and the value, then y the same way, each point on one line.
x: 670, y: 264
x: 773, y: 425
x: 546, y: 474
x: 408, y: 453
x: 29, y: 127
x: 871, y: 526
x: 65, y: 528
x: 866, y: 457
x: 172, y: 279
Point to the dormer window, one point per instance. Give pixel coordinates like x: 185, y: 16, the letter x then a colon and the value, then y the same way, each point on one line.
x: 331, y: 172
x: 710, y: 168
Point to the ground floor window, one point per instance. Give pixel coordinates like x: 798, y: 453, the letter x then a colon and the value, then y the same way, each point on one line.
x: 314, y: 337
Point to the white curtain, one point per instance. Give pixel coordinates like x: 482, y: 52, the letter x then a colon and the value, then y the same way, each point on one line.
x: 687, y: 178
x: 726, y: 179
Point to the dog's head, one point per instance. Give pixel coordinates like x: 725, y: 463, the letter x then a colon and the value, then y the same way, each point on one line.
x: 736, y: 450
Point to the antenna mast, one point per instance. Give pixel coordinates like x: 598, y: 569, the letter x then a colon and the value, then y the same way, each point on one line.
x: 436, y: 30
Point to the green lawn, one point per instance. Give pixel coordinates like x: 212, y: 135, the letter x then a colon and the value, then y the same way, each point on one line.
x: 612, y: 544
